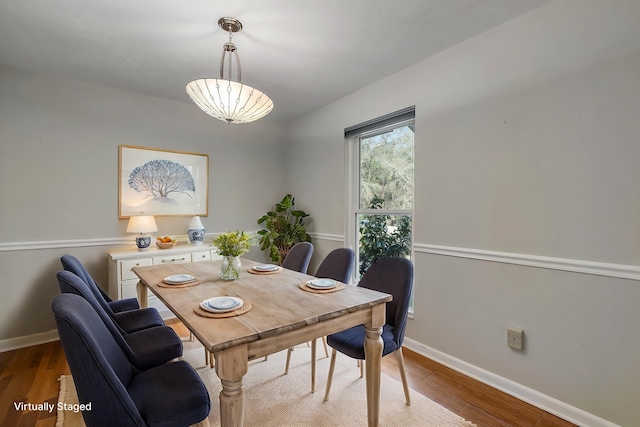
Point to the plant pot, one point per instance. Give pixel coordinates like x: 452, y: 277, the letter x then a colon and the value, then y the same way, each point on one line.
x: 230, y: 268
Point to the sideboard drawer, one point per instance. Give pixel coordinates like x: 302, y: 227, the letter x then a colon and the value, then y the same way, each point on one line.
x: 172, y: 259
x: 127, y: 265
x: 201, y: 256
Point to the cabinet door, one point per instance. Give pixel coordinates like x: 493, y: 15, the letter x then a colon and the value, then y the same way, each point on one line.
x: 128, y: 289
x: 127, y: 265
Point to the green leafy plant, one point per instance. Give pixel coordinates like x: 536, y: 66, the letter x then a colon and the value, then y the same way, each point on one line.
x: 283, y: 228
x: 233, y: 243
x: 376, y: 241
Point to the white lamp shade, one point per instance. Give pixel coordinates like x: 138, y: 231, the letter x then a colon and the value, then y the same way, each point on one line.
x: 142, y: 224
x: 230, y: 101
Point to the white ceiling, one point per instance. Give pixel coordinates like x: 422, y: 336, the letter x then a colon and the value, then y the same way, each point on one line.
x: 303, y: 53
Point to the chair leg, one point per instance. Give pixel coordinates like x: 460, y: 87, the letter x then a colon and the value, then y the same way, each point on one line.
x: 324, y: 343
x: 313, y: 365
x: 332, y: 366
x: 286, y: 367
x: 403, y: 375
x: 361, y: 368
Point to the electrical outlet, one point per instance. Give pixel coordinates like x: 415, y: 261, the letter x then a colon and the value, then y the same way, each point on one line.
x: 514, y: 338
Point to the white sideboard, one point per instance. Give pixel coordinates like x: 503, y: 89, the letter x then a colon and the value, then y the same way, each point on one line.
x: 122, y: 281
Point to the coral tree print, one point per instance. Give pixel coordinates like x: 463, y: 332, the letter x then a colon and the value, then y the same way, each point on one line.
x: 162, y: 182
x: 162, y: 177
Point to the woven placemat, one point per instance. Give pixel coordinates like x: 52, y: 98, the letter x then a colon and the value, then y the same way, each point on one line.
x: 204, y: 313
x: 163, y: 284
x: 252, y: 271
x: 338, y: 287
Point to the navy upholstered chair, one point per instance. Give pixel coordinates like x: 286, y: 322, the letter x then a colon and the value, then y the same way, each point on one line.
x: 146, y: 348
x: 72, y: 264
x: 391, y: 275
x: 120, y: 394
x: 299, y: 257
x: 126, y: 321
x: 337, y: 265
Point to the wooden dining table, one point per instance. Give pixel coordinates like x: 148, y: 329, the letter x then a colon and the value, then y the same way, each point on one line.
x: 282, y: 315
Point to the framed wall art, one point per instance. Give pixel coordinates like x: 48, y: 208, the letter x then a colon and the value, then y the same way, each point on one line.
x: 161, y: 182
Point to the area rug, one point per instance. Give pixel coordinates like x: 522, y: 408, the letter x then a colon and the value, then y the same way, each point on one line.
x: 273, y: 399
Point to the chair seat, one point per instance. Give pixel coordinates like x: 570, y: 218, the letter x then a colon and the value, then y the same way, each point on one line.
x: 170, y: 395
x: 154, y: 346
x: 136, y: 320
x: 351, y: 341
x: 126, y: 304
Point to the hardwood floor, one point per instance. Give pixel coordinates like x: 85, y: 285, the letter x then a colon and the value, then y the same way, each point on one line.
x: 31, y: 375
x: 474, y: 401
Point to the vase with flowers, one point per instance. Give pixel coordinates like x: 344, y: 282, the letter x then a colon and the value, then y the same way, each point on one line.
x: 231, y: 245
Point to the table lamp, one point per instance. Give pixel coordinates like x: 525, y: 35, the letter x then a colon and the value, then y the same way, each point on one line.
x: 142, y: 225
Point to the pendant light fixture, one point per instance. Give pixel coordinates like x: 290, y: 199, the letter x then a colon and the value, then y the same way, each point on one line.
x: 224, y: 98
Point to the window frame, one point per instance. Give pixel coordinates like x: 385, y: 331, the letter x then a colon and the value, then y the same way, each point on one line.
x: 352, y: 191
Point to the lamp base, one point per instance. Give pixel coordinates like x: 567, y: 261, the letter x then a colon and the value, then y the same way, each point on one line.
x: 143, y: 242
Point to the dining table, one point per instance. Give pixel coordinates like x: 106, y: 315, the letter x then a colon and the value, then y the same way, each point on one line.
x: 279, y: 311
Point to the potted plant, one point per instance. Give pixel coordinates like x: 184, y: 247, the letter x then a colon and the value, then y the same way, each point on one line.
x: 284, y: 227
x: 231, y: 245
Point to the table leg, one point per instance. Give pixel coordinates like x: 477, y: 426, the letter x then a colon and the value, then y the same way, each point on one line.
x: 142, y: 294
x: 373, y: 355
x: 231, y: 365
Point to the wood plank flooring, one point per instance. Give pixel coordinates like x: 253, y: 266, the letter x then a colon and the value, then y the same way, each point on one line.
x: 31, y: 375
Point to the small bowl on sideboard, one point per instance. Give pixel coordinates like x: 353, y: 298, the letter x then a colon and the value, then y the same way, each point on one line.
x: 166, y: 245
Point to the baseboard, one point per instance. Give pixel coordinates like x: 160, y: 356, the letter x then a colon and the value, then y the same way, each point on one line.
x: 547, y: 403
x: 28, y: 340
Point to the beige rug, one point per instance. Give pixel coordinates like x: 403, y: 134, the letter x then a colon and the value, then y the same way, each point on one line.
x: 273, y: 399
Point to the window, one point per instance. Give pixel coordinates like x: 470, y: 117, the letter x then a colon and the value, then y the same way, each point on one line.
x: 380, y: 167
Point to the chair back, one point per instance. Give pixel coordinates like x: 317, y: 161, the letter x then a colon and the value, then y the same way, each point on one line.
x: 99, y: 367
x: 337, y: 265
x: 72, y: 264
x: 392, y: 275
x: 72, y: 284
x: 299, y: 257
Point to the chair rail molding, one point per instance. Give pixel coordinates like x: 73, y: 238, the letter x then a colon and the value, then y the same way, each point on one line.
x: 77, y: 243
x: 327, y: 236
x: 622, y: 271
x: 57, y: 244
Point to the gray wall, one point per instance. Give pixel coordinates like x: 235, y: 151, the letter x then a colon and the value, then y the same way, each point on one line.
x: 59, y: 180
x: 527, y: 145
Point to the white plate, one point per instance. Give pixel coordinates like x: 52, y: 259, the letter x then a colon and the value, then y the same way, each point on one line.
x: 266, y: 267
x: 321, y: 283
x: 177, y: 279
x: 221, y: 304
